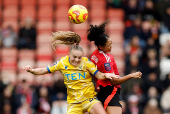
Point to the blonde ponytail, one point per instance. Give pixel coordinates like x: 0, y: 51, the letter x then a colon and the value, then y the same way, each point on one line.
x: 65, y: 37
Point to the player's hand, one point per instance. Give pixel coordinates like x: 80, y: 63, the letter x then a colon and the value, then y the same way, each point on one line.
x: 27, y: 68
x: 136, y: 75
x: 111, y: 75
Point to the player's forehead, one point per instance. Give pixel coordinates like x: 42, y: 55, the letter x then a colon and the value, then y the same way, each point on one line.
x: 77, y: 53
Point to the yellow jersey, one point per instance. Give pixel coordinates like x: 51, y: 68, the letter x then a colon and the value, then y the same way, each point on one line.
x: 78, y: 80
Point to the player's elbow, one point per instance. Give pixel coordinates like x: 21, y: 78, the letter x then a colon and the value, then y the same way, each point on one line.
x: 114, y: 81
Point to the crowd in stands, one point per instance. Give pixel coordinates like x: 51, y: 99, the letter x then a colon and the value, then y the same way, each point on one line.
x: 147, y: 49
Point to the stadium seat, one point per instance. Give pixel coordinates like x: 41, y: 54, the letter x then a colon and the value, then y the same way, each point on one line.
x: 83, y: 35
x: 45, y: 13
x: 116, y: 38
x: 43, y: 63
x: 97, y: 13
x: 9, y: 53
x: 61, y: 13
x: 81, y: 27
x: 45, y: 3
x: 116, y: 26
x: 26, y: 54
x: 9, y: 59
x: 118, y: 51
x: 81, y: 2
x: 48, y: 55
x: 10, y: 3
x: 62, y: 26
x: 58, y: 56
x: 62, y: 3
x: 10, y: 13
x: 44, y: 38
x: 8, y: 64
x: 97, y: 4
x: 28, y: 2
x: 60, y: 49
x: 28, y: 11
x: 44, y: 27
x: 115, y: 13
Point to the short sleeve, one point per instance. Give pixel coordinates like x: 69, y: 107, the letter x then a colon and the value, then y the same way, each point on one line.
x: 54, y: 67
x: 91, y: 67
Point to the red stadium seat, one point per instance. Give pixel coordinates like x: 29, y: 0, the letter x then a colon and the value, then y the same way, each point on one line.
x: 98, y: 4
x: 62, y: 26
x: 44, y: 26
x: 97, y: 13
x: 9, y: 53
x: 62, y: 49
x: 28, y: 11
x: 116, y: 38
x: 62, y: 2
x: 61, y: 13
x: 118, y: 51
x: 43, y: 63
x: 10, y: 13
x: 116, y: 26
x: 58, y: 56
x: 28, y: 2
x: 83, y: 35
x: 80, y: 27
x: 81, y: 2
x: 10, y: 2
x: 22, y: 63
x: 8, y: 64
x: 44, y: 38
x: 26, y: 54
x: 45, y: 2
x: 48, y: 55
x: 115, y: 13
x: 45, y: 13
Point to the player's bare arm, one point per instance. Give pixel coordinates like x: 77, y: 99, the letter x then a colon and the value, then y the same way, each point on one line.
x: 116, y: 81
x: 36, y: 71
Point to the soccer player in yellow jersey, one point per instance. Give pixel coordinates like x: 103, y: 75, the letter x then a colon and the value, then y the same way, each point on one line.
x: 77, y: 72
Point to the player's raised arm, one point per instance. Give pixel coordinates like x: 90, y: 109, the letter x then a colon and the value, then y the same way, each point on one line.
x: 117, y: 81
x: 36, y: 71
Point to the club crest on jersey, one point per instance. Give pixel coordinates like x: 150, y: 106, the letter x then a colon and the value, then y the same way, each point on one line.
x: 107, y: 67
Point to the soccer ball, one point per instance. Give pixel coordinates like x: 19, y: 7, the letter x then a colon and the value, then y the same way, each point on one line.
x: 77, y: 14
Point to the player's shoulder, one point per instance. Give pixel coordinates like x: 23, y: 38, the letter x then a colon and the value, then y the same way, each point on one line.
x: 65, y: 58
x: 85, y: 59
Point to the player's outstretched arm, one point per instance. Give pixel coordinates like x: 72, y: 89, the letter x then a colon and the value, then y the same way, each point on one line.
x: 36, y: 71
x: 102, y: 76
x: 117, y: 81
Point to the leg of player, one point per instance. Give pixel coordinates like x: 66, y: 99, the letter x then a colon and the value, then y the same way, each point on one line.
x: 114, y: 110
x: 97, y: 109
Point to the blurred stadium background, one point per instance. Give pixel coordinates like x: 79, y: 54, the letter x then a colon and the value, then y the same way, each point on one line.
x: 139, y: 29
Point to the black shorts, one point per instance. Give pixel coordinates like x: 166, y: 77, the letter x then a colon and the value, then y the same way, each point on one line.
x: 109, y: 96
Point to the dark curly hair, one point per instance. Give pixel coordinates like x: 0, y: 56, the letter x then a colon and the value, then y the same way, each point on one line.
x: 97, y: 34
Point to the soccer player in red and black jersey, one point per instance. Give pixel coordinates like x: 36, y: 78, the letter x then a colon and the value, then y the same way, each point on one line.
x: 109, y: 90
